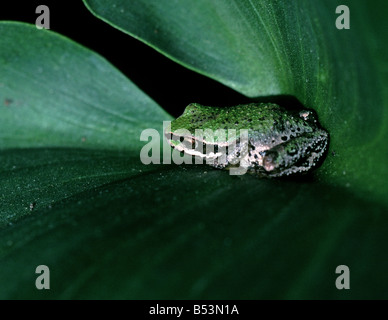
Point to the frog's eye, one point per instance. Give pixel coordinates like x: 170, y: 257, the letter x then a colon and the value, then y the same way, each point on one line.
x: 191, y: 108
x: 190, y: 143
x: 187, y: 142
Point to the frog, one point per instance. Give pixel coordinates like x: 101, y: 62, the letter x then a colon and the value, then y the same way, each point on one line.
x: 277, y: 142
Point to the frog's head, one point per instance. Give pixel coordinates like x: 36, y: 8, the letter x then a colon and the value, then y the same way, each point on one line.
x: 193, y: 109
x: 195, y: 116
x: 194, y: 132
x: 181, y: 134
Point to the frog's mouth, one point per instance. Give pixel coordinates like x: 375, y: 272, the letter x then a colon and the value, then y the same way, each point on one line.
x: 195, y: 146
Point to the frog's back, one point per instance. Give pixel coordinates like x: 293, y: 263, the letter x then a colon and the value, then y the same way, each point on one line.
x: 264, y: 121
x: 255, y: 115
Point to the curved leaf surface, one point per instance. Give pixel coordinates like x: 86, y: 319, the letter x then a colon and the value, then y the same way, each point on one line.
x: 109, y: 227
x: 265, y: 47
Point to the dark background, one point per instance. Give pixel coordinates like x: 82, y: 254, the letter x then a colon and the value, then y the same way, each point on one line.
x: 140, y: 63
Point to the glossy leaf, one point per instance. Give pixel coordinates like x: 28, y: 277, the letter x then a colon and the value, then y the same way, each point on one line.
x: 57, y: 93
x: 265, y: 47
x: 75, y: 196
x: 187, y: 233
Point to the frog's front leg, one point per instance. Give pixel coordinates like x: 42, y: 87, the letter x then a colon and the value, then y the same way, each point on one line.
x: 232, y: 155
x: 296, y: 155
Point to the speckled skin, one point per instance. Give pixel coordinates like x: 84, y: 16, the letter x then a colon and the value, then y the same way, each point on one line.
x: 280, y: 142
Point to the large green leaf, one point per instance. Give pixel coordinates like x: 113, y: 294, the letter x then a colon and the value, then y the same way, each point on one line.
x: 76, y: 197
x: 57, y: 93
x: 174, y: 234
x: 265, y: 47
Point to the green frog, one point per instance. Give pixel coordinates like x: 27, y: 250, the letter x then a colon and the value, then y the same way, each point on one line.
x: 261, y: 138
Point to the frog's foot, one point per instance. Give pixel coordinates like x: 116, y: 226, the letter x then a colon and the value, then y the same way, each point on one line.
x: 304, y: 167
x: 295, y: 156
x: 219, y: 164
x: 237, y: 152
